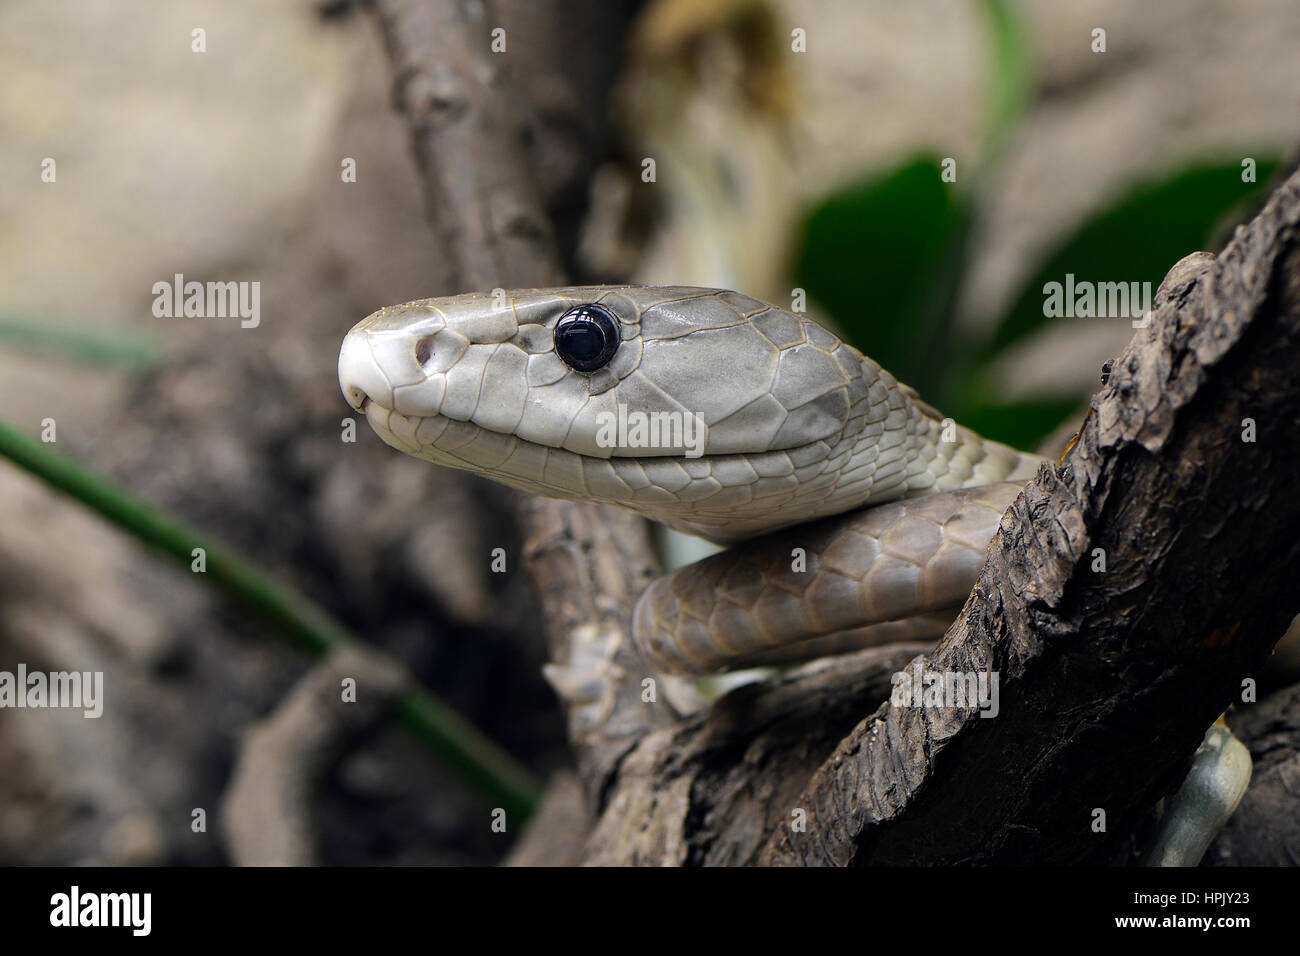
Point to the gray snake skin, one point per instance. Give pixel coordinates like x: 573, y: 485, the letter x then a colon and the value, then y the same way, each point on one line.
x: 717, y: 415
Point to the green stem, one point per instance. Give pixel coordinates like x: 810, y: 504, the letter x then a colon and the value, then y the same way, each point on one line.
x: 447, y: 733
x: 80, y: 345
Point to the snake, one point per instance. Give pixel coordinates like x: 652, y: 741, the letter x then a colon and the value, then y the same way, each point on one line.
x: 853, y: 513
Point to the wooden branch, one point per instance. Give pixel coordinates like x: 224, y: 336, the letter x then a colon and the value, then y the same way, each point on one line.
x: 266, y: 811
x: 709, y: 790
x: 588, y: 563
x: 468, y: 143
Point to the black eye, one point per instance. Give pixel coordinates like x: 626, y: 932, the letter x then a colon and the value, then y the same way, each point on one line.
x: 586, y: 338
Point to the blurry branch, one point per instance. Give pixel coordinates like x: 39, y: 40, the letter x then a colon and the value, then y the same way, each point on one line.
x: 556, y: 833
x: 448, y: 734
x: 266, y: 812
x: 468, y: 143
x: 588, y: 563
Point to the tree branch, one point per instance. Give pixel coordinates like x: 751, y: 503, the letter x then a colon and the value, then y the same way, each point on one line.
x: 588, y: 563
x: 266, y: 812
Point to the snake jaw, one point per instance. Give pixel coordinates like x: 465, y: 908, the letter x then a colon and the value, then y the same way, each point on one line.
x: 358, y: 399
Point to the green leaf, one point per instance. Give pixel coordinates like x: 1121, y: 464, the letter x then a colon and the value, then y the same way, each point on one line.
x: 1011, y: 82
x: 1021, y: 424
x: 1136, y: 239
x: 877, y: 255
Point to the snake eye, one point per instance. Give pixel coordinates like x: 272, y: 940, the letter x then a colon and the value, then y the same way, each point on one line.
x: 586, y: 338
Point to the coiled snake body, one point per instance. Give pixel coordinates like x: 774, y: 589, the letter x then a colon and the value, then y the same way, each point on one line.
x: 717, y: 415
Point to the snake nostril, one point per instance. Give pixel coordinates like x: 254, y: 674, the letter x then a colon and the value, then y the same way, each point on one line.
x: 424, y: 349
x: 357, y: 398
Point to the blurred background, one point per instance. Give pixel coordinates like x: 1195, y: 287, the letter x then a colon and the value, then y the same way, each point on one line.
x: 919, y: 170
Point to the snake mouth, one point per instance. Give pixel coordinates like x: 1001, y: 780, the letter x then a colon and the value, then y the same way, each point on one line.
x: 382, y: 392
x: 465, y: 443
x: 357, y: 398
x: 434, y: 437
x: 685, y: 494
x: 467, y: 446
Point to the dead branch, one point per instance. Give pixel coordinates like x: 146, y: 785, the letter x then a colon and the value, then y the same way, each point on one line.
x: 266, y: 812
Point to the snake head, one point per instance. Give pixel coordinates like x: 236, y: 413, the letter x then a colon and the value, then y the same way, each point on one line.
x: 697, y: 407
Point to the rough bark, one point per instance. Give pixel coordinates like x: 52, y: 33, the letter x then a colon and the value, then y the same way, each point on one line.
x: 708, y: 790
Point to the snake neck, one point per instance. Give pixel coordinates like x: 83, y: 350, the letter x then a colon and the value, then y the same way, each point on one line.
x: 947, y: 456
x: 893, y: 446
